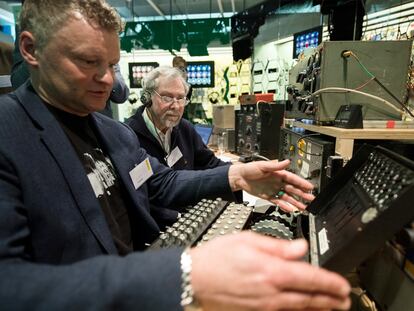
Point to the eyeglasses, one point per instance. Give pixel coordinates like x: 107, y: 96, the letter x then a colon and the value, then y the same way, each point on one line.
x: 183, y: 101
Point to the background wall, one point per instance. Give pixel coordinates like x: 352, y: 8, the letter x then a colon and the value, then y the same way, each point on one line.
x: 221, y: 56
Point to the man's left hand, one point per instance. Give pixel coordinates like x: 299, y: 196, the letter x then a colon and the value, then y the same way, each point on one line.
x: 269, y: 180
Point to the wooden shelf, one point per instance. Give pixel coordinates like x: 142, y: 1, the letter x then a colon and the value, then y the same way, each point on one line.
x: 345, y: 137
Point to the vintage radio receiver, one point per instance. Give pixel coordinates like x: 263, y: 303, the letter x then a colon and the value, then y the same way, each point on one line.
x: 350, y: 65
x: 258, y: 129
x: 308, y: 154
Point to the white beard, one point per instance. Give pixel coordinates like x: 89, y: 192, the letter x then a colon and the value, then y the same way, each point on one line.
x: 167, y: 122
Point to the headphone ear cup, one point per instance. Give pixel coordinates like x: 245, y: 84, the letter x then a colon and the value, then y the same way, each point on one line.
x: 146, y: 99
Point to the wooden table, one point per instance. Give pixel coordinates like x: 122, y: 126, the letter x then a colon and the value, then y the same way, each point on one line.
x: 344, y: 144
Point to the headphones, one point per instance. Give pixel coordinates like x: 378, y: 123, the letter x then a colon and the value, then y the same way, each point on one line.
x: 132, y: 98
x: 146, y: 98
x: 213, y: 97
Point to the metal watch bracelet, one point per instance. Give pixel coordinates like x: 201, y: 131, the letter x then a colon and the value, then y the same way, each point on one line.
x: 187, y: 295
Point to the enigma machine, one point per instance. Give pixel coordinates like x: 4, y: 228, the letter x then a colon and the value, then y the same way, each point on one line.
x: 355, y: 216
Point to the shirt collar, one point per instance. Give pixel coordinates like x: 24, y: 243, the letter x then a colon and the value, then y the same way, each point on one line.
x: 163, y: 139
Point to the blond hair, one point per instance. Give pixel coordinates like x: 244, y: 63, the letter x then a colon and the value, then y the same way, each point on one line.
x: 43, y: 17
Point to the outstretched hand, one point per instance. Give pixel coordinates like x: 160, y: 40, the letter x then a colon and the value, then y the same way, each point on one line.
x: 269, y: 180
x: 247, y: 271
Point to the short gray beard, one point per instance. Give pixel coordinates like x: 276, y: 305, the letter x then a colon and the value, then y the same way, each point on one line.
x: 168, y: 123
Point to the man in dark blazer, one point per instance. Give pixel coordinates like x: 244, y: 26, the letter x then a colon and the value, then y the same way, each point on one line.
x: 75, y: 188
x: 5, y: 67
x: 160, y: 127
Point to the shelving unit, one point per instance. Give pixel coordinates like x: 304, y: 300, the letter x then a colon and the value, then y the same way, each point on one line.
x: 344, y: 144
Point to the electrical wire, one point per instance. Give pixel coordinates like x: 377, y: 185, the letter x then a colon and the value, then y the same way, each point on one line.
x: 305, y: 152
x: 345, y: 90
x: 310, y: 153
x: 364, y: 84
x: 361, y: 64
x: 257, y: 106
x: 366, y: 302
x: 258, y: 156
x: 372, y: 76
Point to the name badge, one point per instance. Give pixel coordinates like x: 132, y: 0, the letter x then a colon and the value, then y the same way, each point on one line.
x: 174, y: 156
x: 140, y: 173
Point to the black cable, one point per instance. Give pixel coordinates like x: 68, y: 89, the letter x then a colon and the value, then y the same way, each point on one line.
x: 313, y: 154
x: 351, y: 53
x: 305, y: 152
x: 393, y: 96
x: 308, y: 135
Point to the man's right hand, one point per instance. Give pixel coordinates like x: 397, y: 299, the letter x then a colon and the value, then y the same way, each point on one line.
x: 248, y: 271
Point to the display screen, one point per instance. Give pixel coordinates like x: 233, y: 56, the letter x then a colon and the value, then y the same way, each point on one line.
x: 201, y: 74
x: 137, y: 71
x: 310, y: 38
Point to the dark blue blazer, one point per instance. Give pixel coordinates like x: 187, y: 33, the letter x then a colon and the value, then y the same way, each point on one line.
x: 56, y: 250
x: 196, y: 156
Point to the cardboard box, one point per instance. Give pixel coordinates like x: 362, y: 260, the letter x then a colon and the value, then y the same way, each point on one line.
x: 223, y: 116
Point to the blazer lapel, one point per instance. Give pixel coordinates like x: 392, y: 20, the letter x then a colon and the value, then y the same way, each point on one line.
x: 60, y: 147
x: 124, y: 160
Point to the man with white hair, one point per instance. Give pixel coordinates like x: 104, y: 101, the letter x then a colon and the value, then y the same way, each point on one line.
x: 164, y: 134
